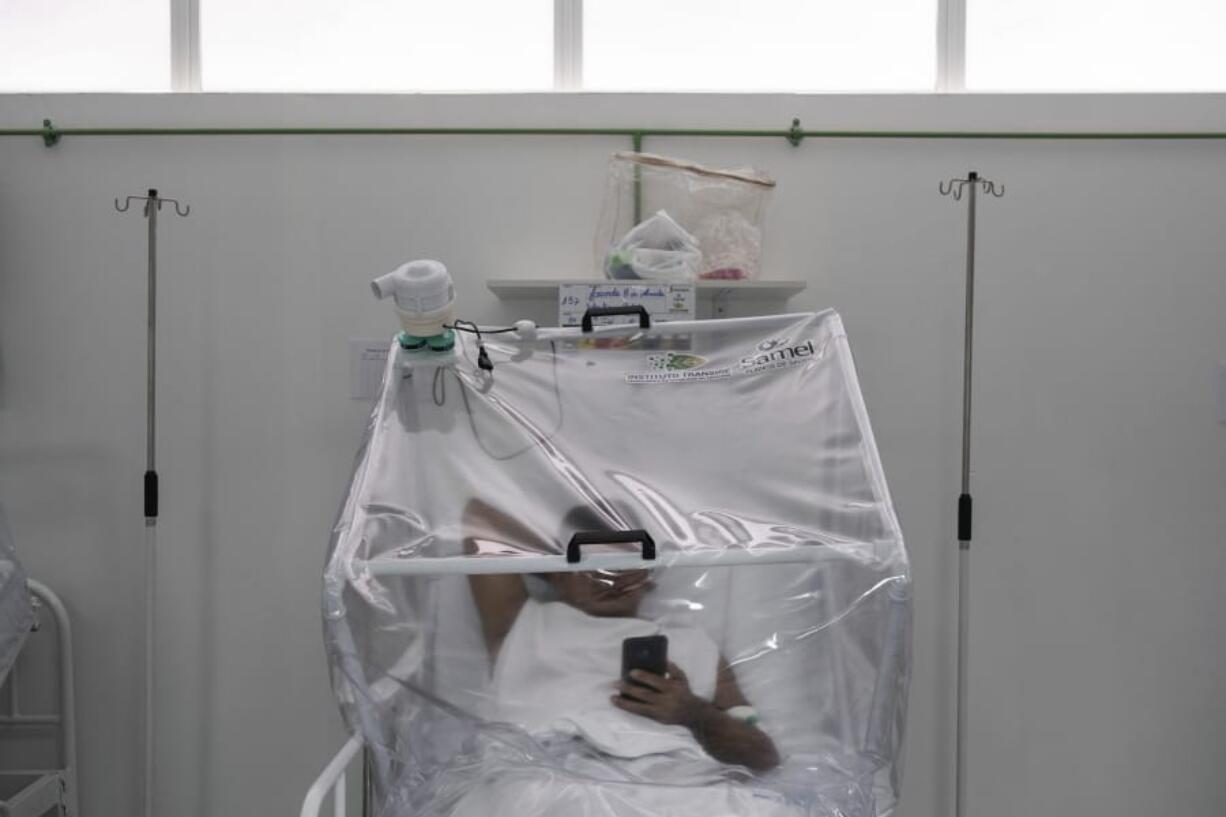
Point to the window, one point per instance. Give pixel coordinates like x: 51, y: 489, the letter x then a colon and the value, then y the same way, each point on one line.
x: 376, y: 45
x: 613, y: 45
x: 84, y: 45
x: 767, y: 45
x: 1095, y: 45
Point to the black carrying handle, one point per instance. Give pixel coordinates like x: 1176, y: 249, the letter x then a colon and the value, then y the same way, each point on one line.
x: 605, y: 311
x: 610, y: 537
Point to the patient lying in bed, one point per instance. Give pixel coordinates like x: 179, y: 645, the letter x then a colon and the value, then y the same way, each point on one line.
x: 557, y: 665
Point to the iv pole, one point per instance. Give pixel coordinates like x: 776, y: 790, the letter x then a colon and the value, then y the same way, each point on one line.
x: 972, y: 184
x: 153, y: 203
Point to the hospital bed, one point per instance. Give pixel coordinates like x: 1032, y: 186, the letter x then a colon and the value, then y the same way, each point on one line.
x: 739, y: 449
x: 38, y: 765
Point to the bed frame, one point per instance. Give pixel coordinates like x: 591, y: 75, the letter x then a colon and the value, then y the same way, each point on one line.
x: 332, y: 779
x: 35, y: 792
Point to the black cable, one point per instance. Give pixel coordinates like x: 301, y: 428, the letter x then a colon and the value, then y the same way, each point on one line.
x: 439, y: 390
x: 483, y: 357
x: 472, y: 328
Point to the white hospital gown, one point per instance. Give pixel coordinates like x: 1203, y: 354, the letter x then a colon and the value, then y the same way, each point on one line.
x: 554, y: 678
x: 557, y: 668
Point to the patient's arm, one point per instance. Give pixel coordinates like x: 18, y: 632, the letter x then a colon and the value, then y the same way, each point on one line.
x: 744, y: 742
x: 499, y: 597
x: 727, y: 739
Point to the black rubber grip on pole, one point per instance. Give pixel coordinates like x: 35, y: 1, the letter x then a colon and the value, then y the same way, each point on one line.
x: 151, y: 494
x: 605, y: 311
x: 964, y: 518
x: 610, y: 537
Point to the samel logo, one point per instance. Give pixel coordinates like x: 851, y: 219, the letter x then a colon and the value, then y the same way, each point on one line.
x: 775, y: 353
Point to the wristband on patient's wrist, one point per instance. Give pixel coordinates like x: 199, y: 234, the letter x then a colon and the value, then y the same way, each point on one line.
x: 747, y: 714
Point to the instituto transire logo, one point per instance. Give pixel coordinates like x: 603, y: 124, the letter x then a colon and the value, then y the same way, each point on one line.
x: 674, y: 361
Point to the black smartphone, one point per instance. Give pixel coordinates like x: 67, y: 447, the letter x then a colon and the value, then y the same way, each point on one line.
x: 649, y: 652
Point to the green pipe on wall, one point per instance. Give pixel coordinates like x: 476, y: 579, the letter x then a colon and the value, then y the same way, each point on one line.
x: 51, y: 134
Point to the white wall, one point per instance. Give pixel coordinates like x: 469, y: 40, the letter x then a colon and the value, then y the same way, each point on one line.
x: 1096, y: 664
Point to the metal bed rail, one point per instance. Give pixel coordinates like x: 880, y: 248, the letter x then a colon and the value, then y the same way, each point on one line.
x: 332, y: 779
x: 39, y: 791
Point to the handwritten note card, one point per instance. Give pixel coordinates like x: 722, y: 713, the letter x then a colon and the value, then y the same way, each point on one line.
x: 664, y: 302
x: 367, y: 358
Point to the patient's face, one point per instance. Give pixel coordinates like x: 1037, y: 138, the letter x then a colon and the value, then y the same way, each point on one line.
x: 603, y: 592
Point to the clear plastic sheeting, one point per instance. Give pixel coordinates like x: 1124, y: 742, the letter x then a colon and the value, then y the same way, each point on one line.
x: 16, y: 611
x: 513, y: 542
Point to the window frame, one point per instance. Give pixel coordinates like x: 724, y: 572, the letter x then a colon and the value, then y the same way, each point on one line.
x: 185, y: 46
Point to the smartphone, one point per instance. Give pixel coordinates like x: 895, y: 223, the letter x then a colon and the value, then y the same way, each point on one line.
x: 649, y: 652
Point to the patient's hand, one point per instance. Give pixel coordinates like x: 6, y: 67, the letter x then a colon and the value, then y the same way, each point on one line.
x: 663, y: 699
x: 669, y: 700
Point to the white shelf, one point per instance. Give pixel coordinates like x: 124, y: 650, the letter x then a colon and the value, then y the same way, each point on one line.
x: 521, y: 288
